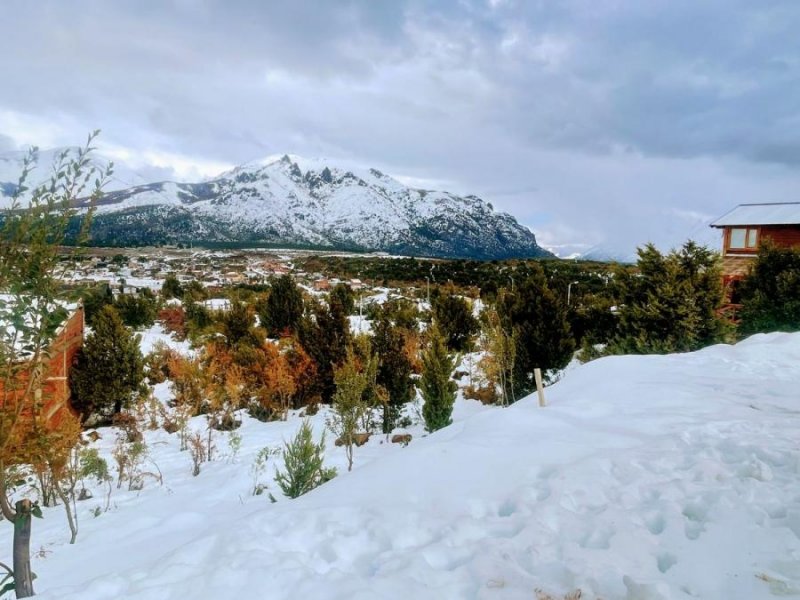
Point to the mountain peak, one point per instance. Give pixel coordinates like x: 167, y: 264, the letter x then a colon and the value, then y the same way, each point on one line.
x: 296, y: 201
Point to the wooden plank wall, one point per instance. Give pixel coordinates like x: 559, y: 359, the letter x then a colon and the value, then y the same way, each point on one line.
x: 787, y: 236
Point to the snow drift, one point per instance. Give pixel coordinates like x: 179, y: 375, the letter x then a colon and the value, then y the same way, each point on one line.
x: 647, y: 477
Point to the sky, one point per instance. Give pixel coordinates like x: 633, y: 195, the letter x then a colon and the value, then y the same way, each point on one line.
x: 597, y: 123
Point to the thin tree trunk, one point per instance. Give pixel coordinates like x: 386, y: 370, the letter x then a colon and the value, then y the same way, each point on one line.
x: 48, y: 497
x: 72, y: 512
x: 349, y: 452
x: 23, y: 576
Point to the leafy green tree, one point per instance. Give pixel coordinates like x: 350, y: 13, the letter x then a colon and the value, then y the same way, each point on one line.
x: 438, y: 389
x: 771, y: 291
x: 497, y: 363
x: 671, y: 304
x: 394, y: 368
x: 536, y: 319
x: 283, y: 309
x: 454, y: 317
x: 109, y: 369
x: 352, y: 379
x: 303, y: 461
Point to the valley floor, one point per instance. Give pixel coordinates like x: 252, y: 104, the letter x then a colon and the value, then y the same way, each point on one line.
x: 648, y: 477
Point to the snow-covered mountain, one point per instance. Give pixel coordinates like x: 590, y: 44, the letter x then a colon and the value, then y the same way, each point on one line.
x: 299, y: 202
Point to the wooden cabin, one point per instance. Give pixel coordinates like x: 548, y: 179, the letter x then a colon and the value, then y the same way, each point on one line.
x: 745, y: 228
x: 54, y: 389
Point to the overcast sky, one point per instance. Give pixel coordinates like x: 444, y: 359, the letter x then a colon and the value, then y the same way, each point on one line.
x: 594, y: 122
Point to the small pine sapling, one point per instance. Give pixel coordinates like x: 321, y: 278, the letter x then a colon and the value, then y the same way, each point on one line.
x: 303, y: 461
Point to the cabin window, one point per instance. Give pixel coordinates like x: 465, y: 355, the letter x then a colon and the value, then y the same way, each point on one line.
x: 743, y: 238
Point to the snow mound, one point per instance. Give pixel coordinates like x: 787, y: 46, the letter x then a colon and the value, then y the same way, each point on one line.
x: 648, y: 477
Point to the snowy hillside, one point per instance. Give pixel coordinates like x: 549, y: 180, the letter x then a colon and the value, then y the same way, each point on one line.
x: 296, y: 201
x: 646, y: 478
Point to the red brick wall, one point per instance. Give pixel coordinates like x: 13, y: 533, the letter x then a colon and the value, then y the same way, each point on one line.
x: 61, y: 353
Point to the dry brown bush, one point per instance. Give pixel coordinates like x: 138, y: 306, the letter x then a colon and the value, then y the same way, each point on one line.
x: 484, y: 394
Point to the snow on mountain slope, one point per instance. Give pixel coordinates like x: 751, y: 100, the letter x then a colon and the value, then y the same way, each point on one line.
x: 296, y: 201
x: 645, y: 478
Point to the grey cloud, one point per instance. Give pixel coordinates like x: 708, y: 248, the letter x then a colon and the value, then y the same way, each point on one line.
x: 584, y: 116
x: 6, y: 143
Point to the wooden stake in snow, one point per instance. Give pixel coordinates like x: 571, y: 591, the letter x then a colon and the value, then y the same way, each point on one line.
x: 537, y: 374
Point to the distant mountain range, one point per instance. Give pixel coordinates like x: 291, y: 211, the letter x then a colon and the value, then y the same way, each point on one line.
x: 292, y: 201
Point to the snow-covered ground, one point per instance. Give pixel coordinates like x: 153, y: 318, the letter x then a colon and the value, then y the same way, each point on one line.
x: 649, y: 477
x: 155, y: 335
x: 360, y: 324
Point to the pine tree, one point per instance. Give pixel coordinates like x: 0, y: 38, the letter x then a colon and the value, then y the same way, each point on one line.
x: 343, y: 294
x: 771, y: 291
x: 671, y: 304
x: 438, y: 389
x: 537, y: 320
x: 108, y: 370
x: 94, y: 299
x: 394, y: 369
x: 325, y: 335
x: 238, y: 325
x: 198, y: 317
x: 303, y: 460
x: 171, y: 287
x: 454, y: 316
x: 282, y: 311
x: 139, y: 310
